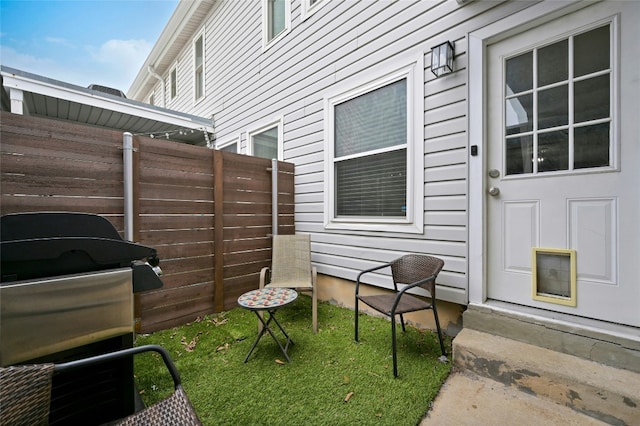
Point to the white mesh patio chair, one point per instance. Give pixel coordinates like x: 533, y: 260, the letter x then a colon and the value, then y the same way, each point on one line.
x: 291, y: 268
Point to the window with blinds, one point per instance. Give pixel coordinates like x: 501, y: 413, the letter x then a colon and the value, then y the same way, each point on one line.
x: 370, y: 153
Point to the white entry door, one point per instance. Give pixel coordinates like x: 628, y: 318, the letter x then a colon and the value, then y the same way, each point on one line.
x: 563, y: 113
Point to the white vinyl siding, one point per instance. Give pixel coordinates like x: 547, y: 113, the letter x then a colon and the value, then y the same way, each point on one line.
x: 345, y: 44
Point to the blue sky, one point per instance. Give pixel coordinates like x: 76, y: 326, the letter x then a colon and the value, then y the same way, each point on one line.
x: 82, y: 41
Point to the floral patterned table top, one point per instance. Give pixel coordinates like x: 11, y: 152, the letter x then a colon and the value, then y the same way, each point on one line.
x: 267, y: 298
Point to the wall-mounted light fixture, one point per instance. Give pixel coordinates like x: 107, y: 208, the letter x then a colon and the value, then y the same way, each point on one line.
x: 442, y: 59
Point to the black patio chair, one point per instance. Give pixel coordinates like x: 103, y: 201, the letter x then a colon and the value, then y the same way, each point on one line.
x: 408, y: 272
x: 26, y: 392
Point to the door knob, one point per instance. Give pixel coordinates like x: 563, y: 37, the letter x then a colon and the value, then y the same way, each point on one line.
x: 494, y: 191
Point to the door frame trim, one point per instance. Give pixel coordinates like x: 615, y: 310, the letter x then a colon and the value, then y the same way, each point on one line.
x: 478, y: 41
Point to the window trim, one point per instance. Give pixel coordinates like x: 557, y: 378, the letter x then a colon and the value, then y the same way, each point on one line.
x: 196, y: 99
x: 308, y: 10
x: 413, y: 71
x: 264, y: 126
x: 266, y: 43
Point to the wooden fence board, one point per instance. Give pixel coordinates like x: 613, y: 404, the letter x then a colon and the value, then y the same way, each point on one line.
x: 173, y: 207
x: 209, y: 255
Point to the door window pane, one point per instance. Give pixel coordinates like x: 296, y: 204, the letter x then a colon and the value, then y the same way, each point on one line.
x: 519, y: 114
x: 553, y: 151
x: 553, y: 108
x: 591, y: 146
x: 591, y: 51
x: 592, y: 99
x: 553, y: 63
x: 519, y: 155
x: 519, y: 73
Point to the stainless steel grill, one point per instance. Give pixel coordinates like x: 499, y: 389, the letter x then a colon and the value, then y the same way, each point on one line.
x: 66, y: 293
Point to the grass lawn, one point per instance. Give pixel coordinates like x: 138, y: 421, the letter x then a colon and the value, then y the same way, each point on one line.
x: 332, y: 380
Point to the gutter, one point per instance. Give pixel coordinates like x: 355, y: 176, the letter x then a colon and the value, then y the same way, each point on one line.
x: 153, y: 73
x: 188, y: 14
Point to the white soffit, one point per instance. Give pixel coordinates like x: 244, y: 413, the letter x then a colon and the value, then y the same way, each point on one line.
x: 46, y: 97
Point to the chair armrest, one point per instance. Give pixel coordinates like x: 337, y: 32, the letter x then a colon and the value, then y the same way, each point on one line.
x: 366, y: 271
x: 175, y: 375
x: 414, y: 285
x: 265, y: 276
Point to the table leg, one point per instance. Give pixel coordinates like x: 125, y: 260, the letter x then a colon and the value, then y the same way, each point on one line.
x: 266, y: 328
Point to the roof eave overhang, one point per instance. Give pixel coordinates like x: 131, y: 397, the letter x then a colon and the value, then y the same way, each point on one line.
x: 163, y: 49
x: 26, y: 82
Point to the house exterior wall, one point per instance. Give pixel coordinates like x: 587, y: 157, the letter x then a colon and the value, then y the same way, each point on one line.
x: 341, y: 45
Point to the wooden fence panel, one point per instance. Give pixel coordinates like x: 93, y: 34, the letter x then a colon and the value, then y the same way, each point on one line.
x: 207, y: 213
x: 49, y: 165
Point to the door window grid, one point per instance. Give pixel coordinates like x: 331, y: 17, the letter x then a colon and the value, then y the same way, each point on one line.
x: 537, y: 122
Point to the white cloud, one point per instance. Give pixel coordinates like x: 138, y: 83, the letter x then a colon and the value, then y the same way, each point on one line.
x: 58, y: 40
x: 115, y: 51
x: 115, y: 63
x: 12, y: 58
x: 121, y: 60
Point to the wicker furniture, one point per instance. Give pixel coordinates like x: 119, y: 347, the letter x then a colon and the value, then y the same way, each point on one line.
x: 411, y: 271
x: 268, y: 300
x: 291, y: 268
x: 26, y: 393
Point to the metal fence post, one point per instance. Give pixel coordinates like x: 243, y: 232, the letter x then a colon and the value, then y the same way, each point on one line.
x: 127, y: 153
x: 274, y: 197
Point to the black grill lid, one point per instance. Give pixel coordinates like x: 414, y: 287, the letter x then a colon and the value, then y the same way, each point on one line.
x: 43, y: 244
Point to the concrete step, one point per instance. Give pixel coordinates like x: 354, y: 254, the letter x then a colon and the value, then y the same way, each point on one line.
x: 604, y: 393
x: 467, y: 399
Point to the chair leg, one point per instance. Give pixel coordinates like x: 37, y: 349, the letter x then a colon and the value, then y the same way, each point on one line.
x: 393, y: 346
x: 314, y: 310
x: 402, y: 322
x: 356, y: 322
x: 435, y: 315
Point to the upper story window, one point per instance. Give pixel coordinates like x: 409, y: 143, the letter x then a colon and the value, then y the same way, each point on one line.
x: 266, y: 141
x: 276, y: 18
x: 198, y: 53
x: 309, y: 7
x: 375, y: 156
x: 173, y: 83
